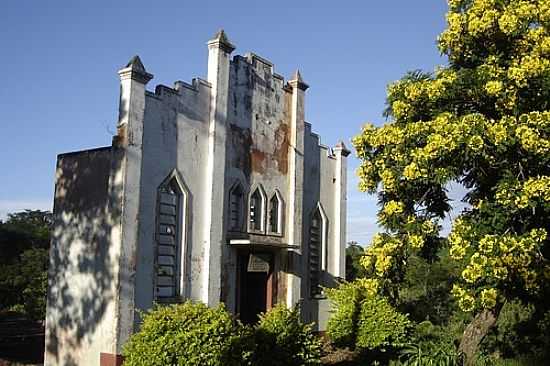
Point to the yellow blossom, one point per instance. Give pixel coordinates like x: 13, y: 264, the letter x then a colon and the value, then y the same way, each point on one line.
x: 493, y: 87
x: 489, y: 298
x: 416, y: 241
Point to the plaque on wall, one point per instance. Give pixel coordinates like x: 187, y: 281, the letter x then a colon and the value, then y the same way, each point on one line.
x: 258, y: 263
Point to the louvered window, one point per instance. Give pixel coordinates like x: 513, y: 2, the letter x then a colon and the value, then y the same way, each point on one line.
x: 168, y: 241
x: 315, y: 242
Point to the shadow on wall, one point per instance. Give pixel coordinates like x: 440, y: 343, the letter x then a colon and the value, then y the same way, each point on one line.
x: 81, y: 283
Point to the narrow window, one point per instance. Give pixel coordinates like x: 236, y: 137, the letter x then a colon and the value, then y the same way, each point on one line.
x: 275, y: 214
x: 236, y: 208
x: 256, y: 210
x: 315, y: 242
x: 169, y: 265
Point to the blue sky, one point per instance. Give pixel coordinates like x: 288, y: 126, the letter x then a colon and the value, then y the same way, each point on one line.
x: 59, y: 89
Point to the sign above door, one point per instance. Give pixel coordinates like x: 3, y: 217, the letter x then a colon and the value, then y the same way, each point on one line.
x: 258, y: 263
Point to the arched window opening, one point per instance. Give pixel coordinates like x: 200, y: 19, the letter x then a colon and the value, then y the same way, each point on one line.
x: 236, y: 208
x: 275, y: 214
x: 256, y: 208
x: 170, y: 266
x: 315, y: 251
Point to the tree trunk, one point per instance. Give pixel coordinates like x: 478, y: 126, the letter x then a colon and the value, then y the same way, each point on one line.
x: 474, y: 334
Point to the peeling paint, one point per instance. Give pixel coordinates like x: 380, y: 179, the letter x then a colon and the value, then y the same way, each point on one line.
x: 258, y: 160
x: 282, y: 144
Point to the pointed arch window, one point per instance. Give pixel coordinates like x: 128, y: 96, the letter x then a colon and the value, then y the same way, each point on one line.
x: 317, y: 252
x: 275, y: 214
x: 171, y: 248
x: 256, y: 210
x: 236, y: 197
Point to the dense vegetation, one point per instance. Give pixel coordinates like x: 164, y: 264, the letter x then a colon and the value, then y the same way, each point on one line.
x: 482, y: 122
x: 24, y: 244
x: 193, y: 334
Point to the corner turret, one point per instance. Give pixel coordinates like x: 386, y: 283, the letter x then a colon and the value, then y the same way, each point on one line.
x: 221, y: 41
x: 136, y: 71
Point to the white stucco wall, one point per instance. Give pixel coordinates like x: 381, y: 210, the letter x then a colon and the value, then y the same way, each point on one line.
x: 245, y: 124
x: 81, y: 313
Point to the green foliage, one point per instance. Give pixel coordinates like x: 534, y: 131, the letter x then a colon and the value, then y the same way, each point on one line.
x: 283, y: 339
x: 24, y: 243
x: 380, y: 325
x: 511, y: 335
x: 344, y: 320
x: 413, y: 355
x: 543, y: 327
x: 518, y: 361
x: 184, y: 334
x: 22, y: 231
x: 354, y: 269
x: 194, y: 334
x: 434, y: 339
x: 482, y: 121
x: 364, y: 321
x: 425, y: 292
x: 33, y: 269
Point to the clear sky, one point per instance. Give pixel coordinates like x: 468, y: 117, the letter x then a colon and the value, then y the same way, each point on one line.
x: 59, y: 89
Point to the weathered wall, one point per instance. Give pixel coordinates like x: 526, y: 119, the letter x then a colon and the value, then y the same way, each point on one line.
x: 82, y: 278
x: 258, y: 152
x: 319, y: 188
x: 175, y: 137
x: 245, y: 124
x: 258, y: 143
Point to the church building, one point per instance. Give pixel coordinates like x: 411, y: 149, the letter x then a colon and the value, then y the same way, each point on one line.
x: 214, y: 191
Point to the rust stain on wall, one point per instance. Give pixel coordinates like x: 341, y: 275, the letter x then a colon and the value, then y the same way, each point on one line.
x: 120, y: 139
x: 258, y: 160
x: 282, y: 144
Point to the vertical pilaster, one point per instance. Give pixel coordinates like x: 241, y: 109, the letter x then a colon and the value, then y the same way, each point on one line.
x: 219, y: 51
x: 296, y: 168
x: 340, y: 207
x: 125, y: 191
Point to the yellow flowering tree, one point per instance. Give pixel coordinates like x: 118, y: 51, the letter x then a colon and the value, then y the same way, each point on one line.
x: 483, y: 121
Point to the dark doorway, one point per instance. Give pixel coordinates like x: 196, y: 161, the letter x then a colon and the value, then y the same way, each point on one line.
x: 255, y: 285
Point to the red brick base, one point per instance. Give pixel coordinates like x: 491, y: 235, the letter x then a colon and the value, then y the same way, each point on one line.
x: 109, y: 359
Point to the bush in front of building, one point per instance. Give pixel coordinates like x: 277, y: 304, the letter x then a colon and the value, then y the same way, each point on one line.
x: 364, y: 321
x: 283, y: 339
x: 194, y: 334
x: 186, y: 334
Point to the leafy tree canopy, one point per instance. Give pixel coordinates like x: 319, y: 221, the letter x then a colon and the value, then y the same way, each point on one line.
x: 482, y: 121
x: 354, y: 269
x: 24, y: 243
x: 24, y: 230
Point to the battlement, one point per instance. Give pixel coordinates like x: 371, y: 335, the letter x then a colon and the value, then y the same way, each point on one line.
x: 252, y: 81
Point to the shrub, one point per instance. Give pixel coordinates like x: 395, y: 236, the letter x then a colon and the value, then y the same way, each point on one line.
x: 380, y: 325
x: 414, y: 355
x: 194, y: 334
x: 185, y: 334
x: 282, y: 339
x: 512, y: 333
x: 342, y: 324
x: 362, y: 320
